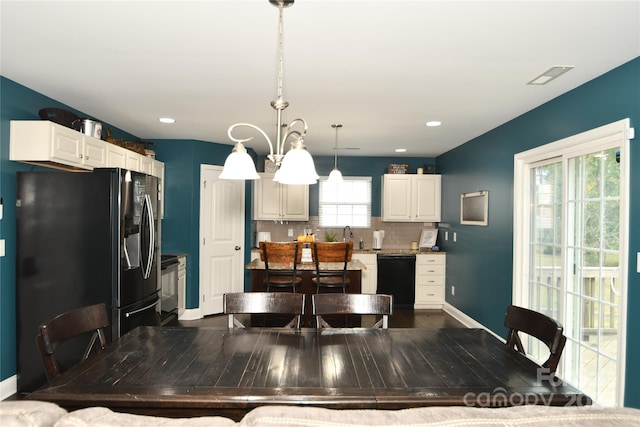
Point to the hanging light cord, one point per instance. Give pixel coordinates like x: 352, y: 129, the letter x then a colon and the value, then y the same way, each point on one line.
x: 335, y: 158
x: 279, y: 104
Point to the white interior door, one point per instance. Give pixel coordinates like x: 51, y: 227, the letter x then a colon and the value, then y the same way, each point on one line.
x: 221, y: 238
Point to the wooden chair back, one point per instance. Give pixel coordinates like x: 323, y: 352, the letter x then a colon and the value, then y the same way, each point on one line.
x: 288, y: 253
x: 333, y: 303
x: 332, y: 251
x: 538, y: 325
x: 67, y: 326
x: 336, y: 252
x: 263, y: 303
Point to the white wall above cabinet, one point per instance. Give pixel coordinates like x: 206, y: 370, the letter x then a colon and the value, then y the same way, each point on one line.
x: 274, y: 201
x: 411, y: 198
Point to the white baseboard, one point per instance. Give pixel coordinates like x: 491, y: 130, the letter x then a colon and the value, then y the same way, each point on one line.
x: 189, y: 314
x: 467, y: 321
x: 8, y: 387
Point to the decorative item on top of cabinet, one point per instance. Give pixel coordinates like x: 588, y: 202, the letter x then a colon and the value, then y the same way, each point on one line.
x: 275, y: 201
x: 411, y: 198
x: 398, y: 168
x: 430, y: 280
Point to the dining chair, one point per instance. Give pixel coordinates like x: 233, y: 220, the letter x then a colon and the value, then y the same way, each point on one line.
x: 287, y: 253
x: 335, y: 252
x: 263, y: 303
x: 67, y: 326
x: 347, y: 304
x: 538, y: 325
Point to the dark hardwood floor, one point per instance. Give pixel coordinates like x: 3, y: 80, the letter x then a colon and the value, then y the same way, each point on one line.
x: 401, y: 318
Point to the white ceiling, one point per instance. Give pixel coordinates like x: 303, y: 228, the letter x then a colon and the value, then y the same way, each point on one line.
x: 380, y: 68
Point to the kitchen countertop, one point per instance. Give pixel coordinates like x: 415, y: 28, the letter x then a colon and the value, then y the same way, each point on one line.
x: 391, y: 251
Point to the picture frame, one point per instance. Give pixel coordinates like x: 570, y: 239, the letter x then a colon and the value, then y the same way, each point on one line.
x: 428, y: 238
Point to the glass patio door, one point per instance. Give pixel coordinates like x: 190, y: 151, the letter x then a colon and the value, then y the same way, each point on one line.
x: 593, y: 274
x: 574, y: 264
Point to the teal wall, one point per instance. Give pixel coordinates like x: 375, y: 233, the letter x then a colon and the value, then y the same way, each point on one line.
x: 17, y: 103
x: 479, y: 264
x: 181, y: 223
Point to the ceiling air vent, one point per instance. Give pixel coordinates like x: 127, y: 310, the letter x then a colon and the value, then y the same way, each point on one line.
x: 550, y: 74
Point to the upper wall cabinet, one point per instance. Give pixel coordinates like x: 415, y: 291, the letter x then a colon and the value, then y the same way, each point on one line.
x: 52, y: 145
x: 275, y: 201
x: 411, y: 198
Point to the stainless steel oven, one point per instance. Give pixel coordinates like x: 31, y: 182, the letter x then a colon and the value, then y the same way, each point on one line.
x: 169, y: 293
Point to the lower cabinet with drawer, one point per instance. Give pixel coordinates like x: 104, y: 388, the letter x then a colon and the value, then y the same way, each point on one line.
x: 369, y: 281
x: 430, y: 274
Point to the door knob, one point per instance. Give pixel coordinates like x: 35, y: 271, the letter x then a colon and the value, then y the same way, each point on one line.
x: 237, y: 248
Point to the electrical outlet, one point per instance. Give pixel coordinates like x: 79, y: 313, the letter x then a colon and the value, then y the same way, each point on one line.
x: 290, y: 232
x: 453, y: 290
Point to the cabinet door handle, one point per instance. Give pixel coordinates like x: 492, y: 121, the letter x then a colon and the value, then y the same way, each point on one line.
x: 237, y: 248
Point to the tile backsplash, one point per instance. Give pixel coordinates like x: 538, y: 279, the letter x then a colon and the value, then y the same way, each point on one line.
x: 397, y: 235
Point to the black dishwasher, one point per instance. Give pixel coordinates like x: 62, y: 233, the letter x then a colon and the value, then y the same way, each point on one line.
x: 397, y: 276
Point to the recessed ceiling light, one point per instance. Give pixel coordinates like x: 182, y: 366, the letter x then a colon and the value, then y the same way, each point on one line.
x: 550, y: 74
x: 166, y: 120
x: 433, y: 123
x: 400, y: 150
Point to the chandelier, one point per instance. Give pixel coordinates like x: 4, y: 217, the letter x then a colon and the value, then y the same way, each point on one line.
x: 294, y: 167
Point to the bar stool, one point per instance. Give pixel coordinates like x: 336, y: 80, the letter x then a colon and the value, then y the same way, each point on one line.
x: 281, y: 253
x: 337, y: 252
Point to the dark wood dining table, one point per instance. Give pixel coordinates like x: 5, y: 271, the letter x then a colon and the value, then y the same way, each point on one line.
x: 185, y: 371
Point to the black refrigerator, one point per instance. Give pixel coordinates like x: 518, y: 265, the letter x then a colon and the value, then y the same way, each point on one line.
x: 84, y: 238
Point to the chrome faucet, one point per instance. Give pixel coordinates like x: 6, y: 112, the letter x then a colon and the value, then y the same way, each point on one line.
x: 344, y: 233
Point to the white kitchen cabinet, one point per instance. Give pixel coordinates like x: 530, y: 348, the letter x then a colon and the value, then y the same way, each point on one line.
x: 50, y: 144
x: 275, y: 201
x: 133, y: 161
x: 146, y: 164
x: 369, y: 281
x: 411, y: 198
x: 116, y: 156
x: 430, y: 280
x: 182, y: 280
x: 157, y: 170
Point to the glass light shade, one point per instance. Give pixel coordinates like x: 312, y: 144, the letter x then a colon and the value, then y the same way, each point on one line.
x: 335, y: 176
x: 239, y: 165
x: 297, y: 168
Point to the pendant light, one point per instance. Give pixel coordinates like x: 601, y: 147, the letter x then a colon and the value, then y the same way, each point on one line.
x: 296, y: 167
x: 335, y: 175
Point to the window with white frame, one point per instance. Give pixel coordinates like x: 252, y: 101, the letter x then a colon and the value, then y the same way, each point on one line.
x: 345, y: 203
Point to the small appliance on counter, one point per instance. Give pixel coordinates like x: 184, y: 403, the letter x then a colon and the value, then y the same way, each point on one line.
x: 263, y: 236
x: 378, y: 236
